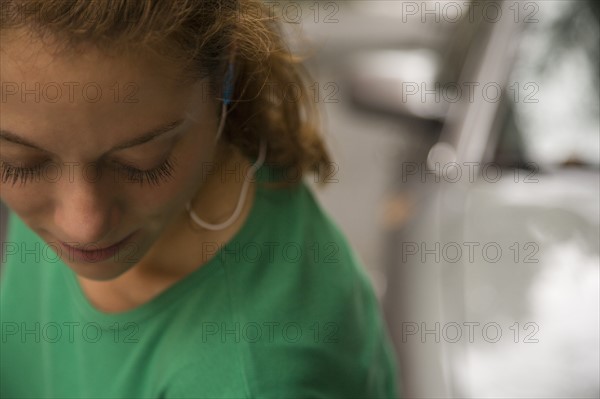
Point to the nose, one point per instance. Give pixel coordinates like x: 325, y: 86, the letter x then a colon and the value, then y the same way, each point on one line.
x: 85, y: 213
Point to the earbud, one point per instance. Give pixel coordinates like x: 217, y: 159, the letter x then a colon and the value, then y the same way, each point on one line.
x: 228, y: 86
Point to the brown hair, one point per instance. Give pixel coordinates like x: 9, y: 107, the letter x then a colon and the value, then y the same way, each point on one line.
x: 203, y: 37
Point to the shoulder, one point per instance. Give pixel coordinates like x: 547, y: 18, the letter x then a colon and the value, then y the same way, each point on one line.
x: 295, y: 248
x: 305, y: 312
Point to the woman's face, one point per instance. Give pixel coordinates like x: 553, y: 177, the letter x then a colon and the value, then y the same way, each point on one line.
x: 97, y: 149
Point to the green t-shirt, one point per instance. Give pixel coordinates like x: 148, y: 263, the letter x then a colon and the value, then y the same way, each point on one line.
x: 284, y: 310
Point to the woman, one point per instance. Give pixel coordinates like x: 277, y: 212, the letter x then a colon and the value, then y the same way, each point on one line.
x: 161, y: 241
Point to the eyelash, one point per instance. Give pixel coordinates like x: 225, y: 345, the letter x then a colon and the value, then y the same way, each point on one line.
x: 154, y: 176
x: 18, y: 173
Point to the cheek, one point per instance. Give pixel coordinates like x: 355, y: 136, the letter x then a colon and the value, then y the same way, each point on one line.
x: 30, y: 203
x: 193, y: 163
x: 26, y: 201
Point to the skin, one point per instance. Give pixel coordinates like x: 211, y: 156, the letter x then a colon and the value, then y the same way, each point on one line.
x: 80, y: 209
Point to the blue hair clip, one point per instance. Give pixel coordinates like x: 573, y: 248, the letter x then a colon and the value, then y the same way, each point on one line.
x: 228, y: 86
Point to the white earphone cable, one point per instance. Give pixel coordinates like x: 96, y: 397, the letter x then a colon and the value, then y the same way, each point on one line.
x: 238, y: 209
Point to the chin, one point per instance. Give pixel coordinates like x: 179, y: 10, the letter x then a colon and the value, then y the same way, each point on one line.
x: 100, y: 271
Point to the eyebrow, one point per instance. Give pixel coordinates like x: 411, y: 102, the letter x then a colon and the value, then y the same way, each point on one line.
x: 144, y: 138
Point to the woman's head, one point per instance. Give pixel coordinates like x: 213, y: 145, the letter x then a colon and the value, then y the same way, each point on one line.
x: 198, y: 40
x: 85, y: 84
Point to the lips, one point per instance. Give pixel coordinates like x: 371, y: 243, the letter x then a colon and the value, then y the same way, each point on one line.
x: 92, y: 254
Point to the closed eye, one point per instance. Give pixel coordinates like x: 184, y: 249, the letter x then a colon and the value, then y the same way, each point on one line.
x: 11, y: 174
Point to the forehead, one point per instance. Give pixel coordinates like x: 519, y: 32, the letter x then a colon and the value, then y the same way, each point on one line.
x: 88, y: 91
x: 27, y: 57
